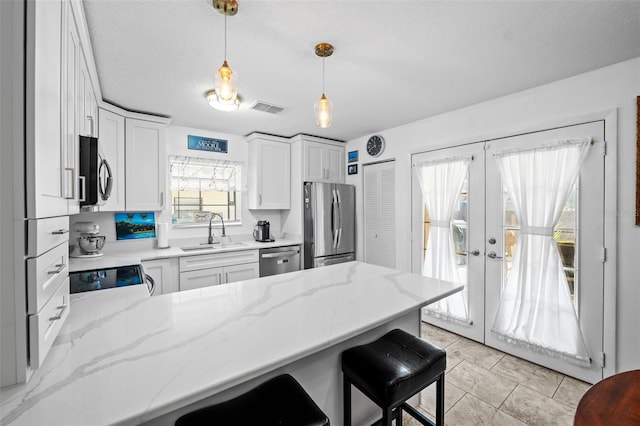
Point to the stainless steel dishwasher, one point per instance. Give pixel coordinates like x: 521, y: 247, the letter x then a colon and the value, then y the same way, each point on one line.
x: 278, y: 260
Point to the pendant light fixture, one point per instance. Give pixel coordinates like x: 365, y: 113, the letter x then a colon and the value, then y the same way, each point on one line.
x: 323, y: 107
x: 225, y: 95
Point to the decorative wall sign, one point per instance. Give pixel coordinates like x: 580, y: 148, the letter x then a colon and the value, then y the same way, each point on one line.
x: 134, y: 226
x: 353, y: 156
x: 201, y: 143
x: 352, y: 169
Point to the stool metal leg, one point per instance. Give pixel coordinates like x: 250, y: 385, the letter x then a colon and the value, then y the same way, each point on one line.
x: 346, y: 400
x: 399, y: 416
x: 387, y: 416
x: 440, y: 401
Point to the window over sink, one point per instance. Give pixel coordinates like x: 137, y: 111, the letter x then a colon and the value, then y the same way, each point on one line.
x: 200, y: 186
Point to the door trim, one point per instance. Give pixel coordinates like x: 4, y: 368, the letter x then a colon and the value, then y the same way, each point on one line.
x: 610, y: 118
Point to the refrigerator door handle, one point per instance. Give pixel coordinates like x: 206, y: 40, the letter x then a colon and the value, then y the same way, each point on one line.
x: 339, y: 227
x: 335, y: 217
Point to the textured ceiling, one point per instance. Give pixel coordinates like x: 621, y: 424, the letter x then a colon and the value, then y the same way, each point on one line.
x: 394, y: 62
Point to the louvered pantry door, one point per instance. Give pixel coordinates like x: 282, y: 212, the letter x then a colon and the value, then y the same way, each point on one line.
x: 380, y: 214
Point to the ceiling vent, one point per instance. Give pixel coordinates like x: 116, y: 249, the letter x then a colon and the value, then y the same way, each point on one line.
x: 267, y: 107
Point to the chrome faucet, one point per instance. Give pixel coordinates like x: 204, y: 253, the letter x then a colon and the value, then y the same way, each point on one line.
x: 224, y: 234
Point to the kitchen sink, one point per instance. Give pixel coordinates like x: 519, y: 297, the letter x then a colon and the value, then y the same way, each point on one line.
x: 209, y: 247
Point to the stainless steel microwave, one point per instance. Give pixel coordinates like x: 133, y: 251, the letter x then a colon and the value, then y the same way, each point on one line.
x: 96, y: 178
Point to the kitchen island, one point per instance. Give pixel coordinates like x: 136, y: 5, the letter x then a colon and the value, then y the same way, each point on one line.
x: 126, y: 359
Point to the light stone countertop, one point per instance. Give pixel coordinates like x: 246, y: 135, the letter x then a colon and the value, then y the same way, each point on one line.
x: 122, y: 358
x: 119, y: 255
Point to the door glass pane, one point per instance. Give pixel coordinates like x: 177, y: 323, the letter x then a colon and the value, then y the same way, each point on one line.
x: 458, y: 231
x: 564, y: 234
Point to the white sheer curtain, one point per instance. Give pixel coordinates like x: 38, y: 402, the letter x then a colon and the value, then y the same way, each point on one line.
x: 441, y: 182
x: 535, y: 309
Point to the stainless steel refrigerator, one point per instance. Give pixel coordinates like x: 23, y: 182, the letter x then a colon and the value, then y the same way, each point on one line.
x: 329, y: 224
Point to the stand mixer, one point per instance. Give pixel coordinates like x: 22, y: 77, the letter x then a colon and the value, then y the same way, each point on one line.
x: 89, y: 242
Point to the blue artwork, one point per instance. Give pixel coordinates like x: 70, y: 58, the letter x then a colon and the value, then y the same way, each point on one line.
x: 201, y: 143
x: 353, y: 156
x: 133, y: 226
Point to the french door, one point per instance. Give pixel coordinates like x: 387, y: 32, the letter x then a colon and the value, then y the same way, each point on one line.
x: 487, y: 251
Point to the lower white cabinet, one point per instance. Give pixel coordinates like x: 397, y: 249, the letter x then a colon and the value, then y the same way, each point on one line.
x: 165, y: 274
x: 220, y: 268
x: 235, y: 273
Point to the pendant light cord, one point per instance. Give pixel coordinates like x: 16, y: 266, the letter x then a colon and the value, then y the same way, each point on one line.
x: 323, y: 56
x: 225, y: 37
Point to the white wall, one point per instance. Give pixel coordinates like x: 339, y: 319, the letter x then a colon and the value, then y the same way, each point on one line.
x: 177, y: 145
x: 613, y: 87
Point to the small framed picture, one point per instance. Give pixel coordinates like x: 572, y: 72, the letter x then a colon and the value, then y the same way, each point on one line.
x: 352, y: 169
x: 353, y: 156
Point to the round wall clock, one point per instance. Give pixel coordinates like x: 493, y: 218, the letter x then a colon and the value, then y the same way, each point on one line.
x: 375, y: 145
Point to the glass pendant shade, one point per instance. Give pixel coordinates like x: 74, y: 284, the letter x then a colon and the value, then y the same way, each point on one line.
x: 323, y: 109
x: 226, y: 90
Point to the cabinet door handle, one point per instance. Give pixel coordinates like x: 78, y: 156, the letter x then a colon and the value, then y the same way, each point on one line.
x: 83, y: 188
x: 220, y: 278
x: 259, y: 199
x: 59, y: 268
x: 60, y: 232
x: 90, y: 118
x: 60, y: 312
x: 73, y: 183
x: 226, y: 277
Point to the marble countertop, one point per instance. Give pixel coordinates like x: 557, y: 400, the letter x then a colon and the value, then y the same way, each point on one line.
x: 118, y: 255
x: 127, y: 359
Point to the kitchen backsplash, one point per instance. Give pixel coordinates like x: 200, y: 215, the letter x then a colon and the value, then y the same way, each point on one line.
x: 107, y: 225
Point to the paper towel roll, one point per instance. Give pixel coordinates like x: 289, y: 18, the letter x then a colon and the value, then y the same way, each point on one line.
x: 162, y: 234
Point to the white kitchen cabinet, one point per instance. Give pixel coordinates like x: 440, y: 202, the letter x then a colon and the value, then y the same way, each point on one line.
x: 323, y: 161
x: 146, y: 160
x: 201, y: 278
x: 269, y: 172
x: 243, y: 272
x: 165, y: 274
x: 87, y: 107
x: 49, y: 182
x: 219, y: 268
x: 112, y: 140
x: 71, y: 53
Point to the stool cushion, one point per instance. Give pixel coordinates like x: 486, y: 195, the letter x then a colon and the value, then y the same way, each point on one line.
x: 393, y: 368
x: 279, y: 401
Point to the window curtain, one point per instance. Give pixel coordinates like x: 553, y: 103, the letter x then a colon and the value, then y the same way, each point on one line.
x: 204, y: 174
x: 441, y: 182
x: 535, y: 309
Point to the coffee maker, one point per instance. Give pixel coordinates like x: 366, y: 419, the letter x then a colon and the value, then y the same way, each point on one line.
x: 261, y: 233
x: 89, y: 242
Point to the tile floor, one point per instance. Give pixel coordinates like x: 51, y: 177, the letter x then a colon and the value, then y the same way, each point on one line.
x: 487, y: 387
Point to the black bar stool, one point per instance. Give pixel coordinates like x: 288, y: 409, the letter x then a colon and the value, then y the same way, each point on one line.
x: 391, y: 370
x: 279, y: 401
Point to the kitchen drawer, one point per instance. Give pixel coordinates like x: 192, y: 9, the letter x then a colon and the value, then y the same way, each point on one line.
x: 45, y: 274
x: 206, y: 261
x: 46, y: 324
x: 45, y: 234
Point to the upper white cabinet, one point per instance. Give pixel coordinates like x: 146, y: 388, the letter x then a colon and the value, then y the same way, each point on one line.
x: 112, y: 140
x: 145, y: 165
x: 71, y: 54
x: 49, y: 181
x: 87, y: 104
x: 323, y: 160
x: 269, y: 172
